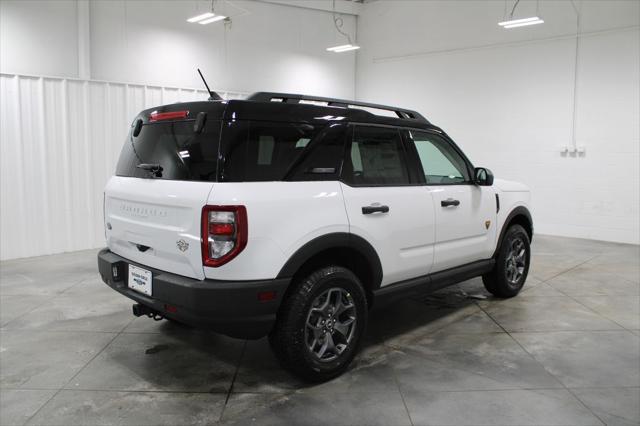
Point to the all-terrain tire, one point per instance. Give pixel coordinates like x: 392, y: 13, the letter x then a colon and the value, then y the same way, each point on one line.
x: 512, y: 264
x: 291, y: 334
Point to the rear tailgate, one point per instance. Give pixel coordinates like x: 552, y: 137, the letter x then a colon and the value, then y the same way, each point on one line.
x: 167, y: 167
x: 157, y: 222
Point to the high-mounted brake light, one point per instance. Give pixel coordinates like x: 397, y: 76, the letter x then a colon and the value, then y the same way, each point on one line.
x: 171, y: 115
x: 224, y: 233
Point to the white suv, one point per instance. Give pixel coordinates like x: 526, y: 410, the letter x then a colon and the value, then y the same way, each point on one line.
x: 290, y: 216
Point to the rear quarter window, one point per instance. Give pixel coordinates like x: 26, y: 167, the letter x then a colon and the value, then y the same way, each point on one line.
x: 254, y: 151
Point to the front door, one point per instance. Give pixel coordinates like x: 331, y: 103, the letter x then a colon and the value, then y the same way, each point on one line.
x: 465, y: 213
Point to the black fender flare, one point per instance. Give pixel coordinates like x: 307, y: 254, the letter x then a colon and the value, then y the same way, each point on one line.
x: 334, y: 240
x: 518, y: 211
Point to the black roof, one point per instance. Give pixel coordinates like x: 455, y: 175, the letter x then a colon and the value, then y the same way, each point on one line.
x: 272, y: 106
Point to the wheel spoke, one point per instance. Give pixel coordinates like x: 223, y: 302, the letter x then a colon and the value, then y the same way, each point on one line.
x: 338, y: 306
x: 322, y: 308
x: 322, y: 349
x: 343, y: 328
x: 341, y: 306
x: 317, y: 331
x: 315, y: 326
x: 330, y: 343
x: 516, y: 260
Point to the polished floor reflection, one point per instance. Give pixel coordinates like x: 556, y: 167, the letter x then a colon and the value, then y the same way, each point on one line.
x: 566, y: 351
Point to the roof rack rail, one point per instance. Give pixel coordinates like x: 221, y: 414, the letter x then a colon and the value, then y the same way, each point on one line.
x: 296, y: 98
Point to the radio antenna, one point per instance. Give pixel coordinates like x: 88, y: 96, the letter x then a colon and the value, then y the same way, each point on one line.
x: 213, y: 96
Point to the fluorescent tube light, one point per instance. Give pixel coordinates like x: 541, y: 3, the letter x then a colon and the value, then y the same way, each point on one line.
x: 524, y: 24
x: 334, y: 48
x: 343, y: 48
x: 346, y: 49
x: 515, y: 23
x: 212, y: 19
x: 200, y: 17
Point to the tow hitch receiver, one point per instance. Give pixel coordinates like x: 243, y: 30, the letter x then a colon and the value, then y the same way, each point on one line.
x: 140, y: 310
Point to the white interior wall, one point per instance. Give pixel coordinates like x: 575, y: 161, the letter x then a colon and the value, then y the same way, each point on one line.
x: 506, y: 96
x: 268, y: 46
x: 39, y: 37
x: 60, y: 135
x: 60, y: 142
x: 271, y: 47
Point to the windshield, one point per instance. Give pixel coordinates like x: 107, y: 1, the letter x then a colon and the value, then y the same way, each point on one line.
x: 175, y: 147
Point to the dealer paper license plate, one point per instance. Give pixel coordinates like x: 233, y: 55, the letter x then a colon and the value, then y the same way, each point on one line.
x: 140, y: 280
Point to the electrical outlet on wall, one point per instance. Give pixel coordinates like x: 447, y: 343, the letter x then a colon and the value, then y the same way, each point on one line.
x: 571, y: 151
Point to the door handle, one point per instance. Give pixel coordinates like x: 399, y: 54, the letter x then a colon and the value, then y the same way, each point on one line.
x: 449, y: 202
x: 375, y: 209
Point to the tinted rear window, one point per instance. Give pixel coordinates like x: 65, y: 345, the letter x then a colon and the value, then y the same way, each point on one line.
x: 272, y: 151
x: 182, y: 153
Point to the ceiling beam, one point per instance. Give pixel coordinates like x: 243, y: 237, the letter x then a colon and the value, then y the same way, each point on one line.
x: 346, y: 7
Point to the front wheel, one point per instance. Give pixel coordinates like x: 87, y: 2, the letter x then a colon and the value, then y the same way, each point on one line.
x: 320, y: 324
x: 512, y: 264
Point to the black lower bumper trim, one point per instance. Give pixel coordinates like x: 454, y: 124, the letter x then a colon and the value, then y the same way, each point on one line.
x: 229, y: 307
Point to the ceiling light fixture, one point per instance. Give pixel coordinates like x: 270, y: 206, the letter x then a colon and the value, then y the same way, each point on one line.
x: 339, y: 22
x: 200, y: 17
x: 523, y: 22
x: 212, y: 19
x: 206, y: 18
x: 343, y: 48
x: 514, y: 23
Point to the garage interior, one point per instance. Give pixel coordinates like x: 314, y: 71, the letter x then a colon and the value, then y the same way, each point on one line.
x: 555, y: 105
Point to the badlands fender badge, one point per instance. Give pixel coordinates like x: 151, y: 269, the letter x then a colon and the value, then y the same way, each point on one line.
x: 182, y: 245
x: 487, y: 224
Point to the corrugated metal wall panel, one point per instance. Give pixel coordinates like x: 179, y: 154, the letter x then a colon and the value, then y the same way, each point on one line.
x: 59, y: 143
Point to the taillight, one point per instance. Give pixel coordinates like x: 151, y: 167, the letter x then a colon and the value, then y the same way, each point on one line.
x: 171, y: 115
x: 224, y: 233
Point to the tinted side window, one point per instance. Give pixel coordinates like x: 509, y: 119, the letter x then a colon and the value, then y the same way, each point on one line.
x: 376, y: 157
x: 441, y: 163
x: 262, y: 151
x: 322, y: 159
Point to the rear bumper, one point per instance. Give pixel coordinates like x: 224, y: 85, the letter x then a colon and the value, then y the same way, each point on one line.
x: 228, y: 307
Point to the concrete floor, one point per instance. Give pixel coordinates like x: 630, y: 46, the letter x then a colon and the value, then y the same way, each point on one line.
x: 566, y: 351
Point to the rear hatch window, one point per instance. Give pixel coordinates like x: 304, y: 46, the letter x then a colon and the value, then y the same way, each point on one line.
x: 182, y: 153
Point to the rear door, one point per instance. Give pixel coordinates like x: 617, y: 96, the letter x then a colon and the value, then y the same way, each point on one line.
x: 385, y: 205
x: 155, y: 218
x: 465, y: 213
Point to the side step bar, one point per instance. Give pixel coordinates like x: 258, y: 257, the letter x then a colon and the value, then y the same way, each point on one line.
x: 430, y: 283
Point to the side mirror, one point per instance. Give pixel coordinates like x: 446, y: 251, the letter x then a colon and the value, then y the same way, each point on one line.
x: 483, y: 177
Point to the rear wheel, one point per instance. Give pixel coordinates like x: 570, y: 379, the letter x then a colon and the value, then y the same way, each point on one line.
x: 320, y: 324
x: 512, y: 264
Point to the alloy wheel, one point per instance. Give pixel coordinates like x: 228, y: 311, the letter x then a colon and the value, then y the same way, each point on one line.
x: 330, y: 324
x: 516, y: 260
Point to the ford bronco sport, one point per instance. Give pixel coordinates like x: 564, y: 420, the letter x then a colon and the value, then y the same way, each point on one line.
x: 291, y: 216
